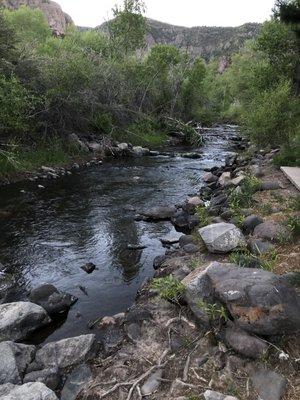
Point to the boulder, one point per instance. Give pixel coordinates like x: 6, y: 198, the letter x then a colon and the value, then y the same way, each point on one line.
x: 48, y: 376
x: 225, y: 179
x: 53, y: 301
x: 245, y: 344
x: 94, y: 146
x: 19, y: 319
x: 28, y: 391
x: 67, y: 352
x: 184, y: 222
x: 7, y: 283
x: 256, y: 170
x: 212, y: 395
x: 14, y: 360
x: 123, y: 146
x: 259, y: 301
x: 218, y: 200
x: 222, y: 237
x: 209, y: 177
x: 271, y: 231
x: 76, y: 381
x: 192, y: 203
x: 158, y: 261
x: 268, y: 384
x: 250, y: 223
x: 159, y: 213
x: 139, y: 151
x: 186, y: 239
x: 190, y: 248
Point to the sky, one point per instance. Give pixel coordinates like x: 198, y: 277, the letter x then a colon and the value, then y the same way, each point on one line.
x: 185, y: 13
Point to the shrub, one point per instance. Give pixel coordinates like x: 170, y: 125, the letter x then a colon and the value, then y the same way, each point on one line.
x: 169, y: 288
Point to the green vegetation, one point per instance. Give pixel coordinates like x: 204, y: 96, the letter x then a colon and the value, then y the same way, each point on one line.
x: 214, y: 311
x: 108, y: 84
x: 204, y: 217
x: 169, y: 288
x: 244, y: 259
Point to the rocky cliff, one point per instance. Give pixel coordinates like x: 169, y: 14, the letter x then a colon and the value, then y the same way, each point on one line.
x: 57, y: 19
x: 203, y: 41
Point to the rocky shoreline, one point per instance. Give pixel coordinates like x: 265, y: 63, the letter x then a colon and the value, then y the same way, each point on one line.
x: 217, y: 322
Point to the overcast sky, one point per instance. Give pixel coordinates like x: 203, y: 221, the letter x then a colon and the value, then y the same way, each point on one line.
x: 176, y: 12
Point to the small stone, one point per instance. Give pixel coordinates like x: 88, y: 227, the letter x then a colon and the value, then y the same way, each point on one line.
x: 250, y: 223
x: 28, y: 391
x: 209, y: 177
x: 259, y: 247
x: 272, y: 231
x: 88, y: 268
x: 212, y: 395
x: 269, y: 384
x: 152, y: 383
x: 190, y: 248
x: 133, y: 331
x: 269, y: 186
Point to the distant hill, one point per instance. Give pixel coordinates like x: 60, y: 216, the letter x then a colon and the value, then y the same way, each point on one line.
x: 204, y: 41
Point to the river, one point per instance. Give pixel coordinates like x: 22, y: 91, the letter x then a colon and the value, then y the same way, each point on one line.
x: 84, y: 218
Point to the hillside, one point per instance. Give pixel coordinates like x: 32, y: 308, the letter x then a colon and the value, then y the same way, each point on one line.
x: 207, y: 42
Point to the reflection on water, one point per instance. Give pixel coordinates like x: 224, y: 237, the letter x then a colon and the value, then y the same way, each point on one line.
x: 82, y: 218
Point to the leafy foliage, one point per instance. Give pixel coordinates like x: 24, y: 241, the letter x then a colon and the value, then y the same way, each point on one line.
x: 169, y: 288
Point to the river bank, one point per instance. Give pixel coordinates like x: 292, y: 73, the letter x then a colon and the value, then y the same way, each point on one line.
x: 187, y: 337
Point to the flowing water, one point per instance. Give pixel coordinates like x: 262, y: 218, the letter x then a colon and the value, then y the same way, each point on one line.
x: 83, y: 218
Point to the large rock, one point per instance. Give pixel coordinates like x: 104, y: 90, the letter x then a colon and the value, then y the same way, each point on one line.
x: 28, y: 391
x: 222, y: 237
x: 259, y: 301
x: 271, y: 231
x: 56, y: 18
x: 251, y: 222
x: 67, y: 352
x: 53, y: 301
x: 159, y: 213
x: 14, y: 360
x: 184, y: 222
x: 19, y: 319
x: 245, y: 344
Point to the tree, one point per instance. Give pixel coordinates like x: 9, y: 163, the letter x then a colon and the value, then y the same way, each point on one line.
x: 7, y: 45
x: 127, y: 29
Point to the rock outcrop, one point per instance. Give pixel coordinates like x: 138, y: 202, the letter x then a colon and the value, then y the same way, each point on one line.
x: 56, y: 18
x: 201, y: 41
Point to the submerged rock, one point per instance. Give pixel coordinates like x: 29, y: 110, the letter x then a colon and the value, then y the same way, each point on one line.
x: 222, y: 237
x: 88, y: 268
x: 28, y: 391
x: 19, y: 319
x: 14, y: 360
x: 159, y: 213
x: 67, y: 352
x: 53, y: 301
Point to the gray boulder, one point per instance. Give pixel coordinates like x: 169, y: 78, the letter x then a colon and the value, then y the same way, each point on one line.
x: 67, y: 352
x: 49, y: 376
x: 19, y: 319
x: 269, y: 384
x: 245, y: 344
x: 159, y: 213
x: 259, y: 301
x: 222, y: 237
x: 76, y: 381
x: 271, y: 231
x: 53, y: 301
x: 209, y: 177
x: 28, y: 391
x: 14, y: 360
x: 184, y: 222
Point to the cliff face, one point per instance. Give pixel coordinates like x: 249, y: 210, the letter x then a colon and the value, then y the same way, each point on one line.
x: 203, y: 41
x: 207, y: 42
x: 57, y: 19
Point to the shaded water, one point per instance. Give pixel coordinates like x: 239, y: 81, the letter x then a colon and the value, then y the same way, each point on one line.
x: 82, y: 218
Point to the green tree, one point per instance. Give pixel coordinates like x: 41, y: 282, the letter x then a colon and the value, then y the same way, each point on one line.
x: 7, y: 45
x: 127, y: 29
